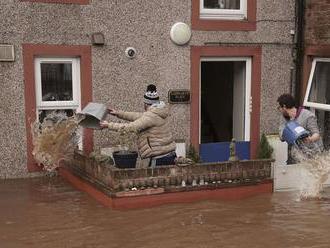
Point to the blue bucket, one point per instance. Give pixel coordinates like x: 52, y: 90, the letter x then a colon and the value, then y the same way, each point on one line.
x: 293, y: 132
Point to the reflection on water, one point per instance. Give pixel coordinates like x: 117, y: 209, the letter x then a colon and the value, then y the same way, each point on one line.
x: 50, y: 213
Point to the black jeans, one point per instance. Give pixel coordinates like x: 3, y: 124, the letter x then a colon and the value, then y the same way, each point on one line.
x: 169, y: 159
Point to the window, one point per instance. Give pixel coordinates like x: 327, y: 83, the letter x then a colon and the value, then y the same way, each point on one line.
x: 224, y: 15
x: 223, y: 9
x: 318, y: 89
x: 57, y: 83
x: 323, y: 121
x: 57, y: 86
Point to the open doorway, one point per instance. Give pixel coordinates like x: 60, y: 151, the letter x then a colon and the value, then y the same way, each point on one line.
x: 225, y: 99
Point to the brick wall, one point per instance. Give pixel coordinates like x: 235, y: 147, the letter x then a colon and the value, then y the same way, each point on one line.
x: 110, y: 179
x: 317, y: 22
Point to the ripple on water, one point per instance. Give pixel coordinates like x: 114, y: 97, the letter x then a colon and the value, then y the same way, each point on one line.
x: 50, y: 213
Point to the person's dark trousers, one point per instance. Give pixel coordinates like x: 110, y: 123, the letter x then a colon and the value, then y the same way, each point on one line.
x: 167, y: 160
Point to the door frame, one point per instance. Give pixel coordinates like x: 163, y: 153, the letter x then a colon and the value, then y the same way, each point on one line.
x: 198, y: 53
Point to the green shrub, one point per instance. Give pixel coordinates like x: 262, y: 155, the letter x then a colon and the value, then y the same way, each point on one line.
x: 192, y: 154
x: 264, y: 149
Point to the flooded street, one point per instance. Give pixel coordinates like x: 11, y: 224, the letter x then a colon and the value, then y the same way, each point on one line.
x: 50, y: 213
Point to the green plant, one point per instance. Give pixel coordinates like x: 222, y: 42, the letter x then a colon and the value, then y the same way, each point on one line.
x: 127, y: 139
x: 265, y: 150
x: 192, y: 154
x: 101, y: 158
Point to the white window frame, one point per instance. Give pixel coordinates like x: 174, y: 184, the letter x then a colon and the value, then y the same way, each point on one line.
x: 44, y: 105
x: 75, y: 104
x: 309, y: 85
x: 224, y: 14
x: 248, y: 97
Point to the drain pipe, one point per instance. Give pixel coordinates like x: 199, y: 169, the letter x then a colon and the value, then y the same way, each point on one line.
x: 299, y: 47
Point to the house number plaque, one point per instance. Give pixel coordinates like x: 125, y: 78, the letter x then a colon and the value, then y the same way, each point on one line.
x: 179, y: 96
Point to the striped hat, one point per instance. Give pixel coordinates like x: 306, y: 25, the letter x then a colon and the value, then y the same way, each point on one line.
x: 151, y: 96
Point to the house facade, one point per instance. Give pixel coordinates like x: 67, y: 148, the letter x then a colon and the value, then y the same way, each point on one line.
x: 315, y: 89
x: 62, y: 54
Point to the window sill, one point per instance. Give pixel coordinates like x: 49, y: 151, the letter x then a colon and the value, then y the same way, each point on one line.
x: 222, y: 17
x: 223, y: 25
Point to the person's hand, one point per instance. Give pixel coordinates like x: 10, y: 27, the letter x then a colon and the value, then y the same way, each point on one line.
x: 313, y: 138
x: 308, y: 140
x: 112, y: 111
x: 104, y: 124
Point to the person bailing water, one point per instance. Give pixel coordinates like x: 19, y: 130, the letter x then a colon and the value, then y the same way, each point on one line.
x: 298, y: 128
x: 155, y: 140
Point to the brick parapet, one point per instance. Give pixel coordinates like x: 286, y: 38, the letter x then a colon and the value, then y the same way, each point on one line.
x: 112, y: 180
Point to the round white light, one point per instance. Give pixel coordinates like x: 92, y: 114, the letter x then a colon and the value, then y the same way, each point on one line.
x: 180, y: 33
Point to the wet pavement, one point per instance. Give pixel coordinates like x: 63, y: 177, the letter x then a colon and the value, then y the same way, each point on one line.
x: 50, y: 213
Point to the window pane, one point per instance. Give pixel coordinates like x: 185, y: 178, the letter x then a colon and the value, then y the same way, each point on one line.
x: 320, y: 88
x: 323, y: 118
x: 222, y: 4
x: 56, y: 81
x: 44, y: 113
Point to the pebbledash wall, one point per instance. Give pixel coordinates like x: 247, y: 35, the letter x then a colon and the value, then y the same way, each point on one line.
x: 59, y: 25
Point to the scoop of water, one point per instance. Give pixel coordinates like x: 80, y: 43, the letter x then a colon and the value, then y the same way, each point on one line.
x: 314, y: 172
x: 54, y: 139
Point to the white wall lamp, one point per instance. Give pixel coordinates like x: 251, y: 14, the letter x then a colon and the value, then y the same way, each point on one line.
x: 180, y: 33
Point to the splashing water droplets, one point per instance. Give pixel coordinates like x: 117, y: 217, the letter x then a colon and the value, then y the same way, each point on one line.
x: 314, y: 172
x: 54, y: 139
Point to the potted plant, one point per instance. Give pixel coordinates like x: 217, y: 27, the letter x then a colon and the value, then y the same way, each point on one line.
x: 127, y: 155
x: 100, y: 158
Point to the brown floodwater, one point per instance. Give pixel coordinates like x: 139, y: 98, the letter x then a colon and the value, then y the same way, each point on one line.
x: 48, y: 212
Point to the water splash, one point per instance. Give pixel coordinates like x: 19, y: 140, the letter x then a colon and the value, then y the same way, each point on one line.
x: 54, y: 139
x: 313, y: 174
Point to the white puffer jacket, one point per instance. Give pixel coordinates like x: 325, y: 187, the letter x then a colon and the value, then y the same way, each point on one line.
x: 154, y: 135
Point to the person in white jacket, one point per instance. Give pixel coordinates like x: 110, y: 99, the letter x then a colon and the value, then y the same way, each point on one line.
x: 155, y: 140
